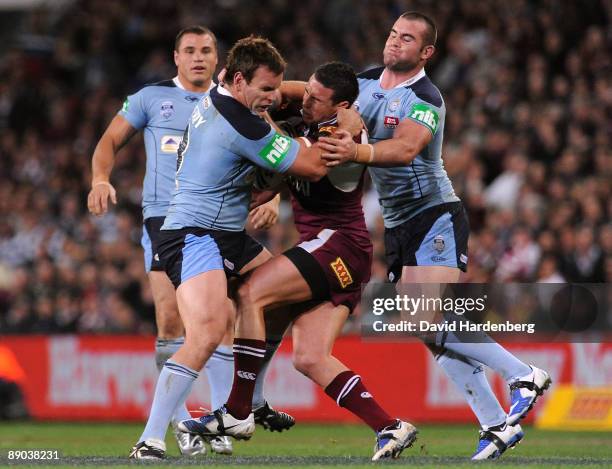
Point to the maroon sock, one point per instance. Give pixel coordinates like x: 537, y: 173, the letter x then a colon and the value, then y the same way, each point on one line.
x: 248, y: 359
x: 348, y: 391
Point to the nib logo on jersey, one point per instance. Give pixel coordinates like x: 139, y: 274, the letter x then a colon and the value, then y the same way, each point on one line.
x: 425, y: 115
x: 276, y: 150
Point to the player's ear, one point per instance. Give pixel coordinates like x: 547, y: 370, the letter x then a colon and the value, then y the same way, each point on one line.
x: 343, y: 104
x: 427, y: 52
x: 176, y: 54
x: 238, y: 81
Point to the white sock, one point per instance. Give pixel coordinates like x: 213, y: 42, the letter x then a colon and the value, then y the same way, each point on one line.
x: 482, y: 348
x: 164, y: 349
x: 173, y: 386
x: 469, y: 378
x: 220, y: 373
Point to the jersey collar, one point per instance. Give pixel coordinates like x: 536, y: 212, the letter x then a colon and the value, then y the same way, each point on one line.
x: 408, y: 82
x: 178, y: 84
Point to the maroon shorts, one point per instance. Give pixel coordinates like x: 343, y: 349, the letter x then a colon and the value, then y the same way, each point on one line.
x: 334, y: 264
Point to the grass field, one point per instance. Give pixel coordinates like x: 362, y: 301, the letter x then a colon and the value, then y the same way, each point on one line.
x: 305, y: 445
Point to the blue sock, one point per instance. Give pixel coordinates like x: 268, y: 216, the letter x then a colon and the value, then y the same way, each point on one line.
x: 220, y: 373
x: 164, y: 349
x: 482, y: 348
x: 272, y: 344
x: 469, y: 377
x: 173, y: 386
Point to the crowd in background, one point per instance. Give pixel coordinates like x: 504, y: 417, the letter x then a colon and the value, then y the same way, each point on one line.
x: 527, y: 144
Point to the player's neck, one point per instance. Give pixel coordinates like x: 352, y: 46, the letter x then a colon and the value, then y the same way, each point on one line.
x: 391, y: 79
x: 230, y: 90
x: 184, y: 84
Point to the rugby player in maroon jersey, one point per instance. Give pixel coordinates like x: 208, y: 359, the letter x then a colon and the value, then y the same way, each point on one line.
x: 325, y: 269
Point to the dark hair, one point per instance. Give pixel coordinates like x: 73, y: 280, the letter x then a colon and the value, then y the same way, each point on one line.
x: 431, y: 32
x: 250, y: 53
x: 339, y: 77
x: 199, y: 30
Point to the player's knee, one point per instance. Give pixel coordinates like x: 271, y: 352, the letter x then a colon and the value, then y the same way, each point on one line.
x: 306, y: 362
x: 206, y: 333
x: 247, y: 295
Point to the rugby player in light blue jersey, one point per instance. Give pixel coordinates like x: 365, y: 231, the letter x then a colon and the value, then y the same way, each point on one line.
x: 162, y: 111
x: 203, y: 240
x: 426, y: 227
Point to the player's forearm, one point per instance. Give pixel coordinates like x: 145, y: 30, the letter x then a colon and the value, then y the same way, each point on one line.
x: 292, y: 90
x: 308, y: 164
x: 103, y: 161
x: 393, y: 152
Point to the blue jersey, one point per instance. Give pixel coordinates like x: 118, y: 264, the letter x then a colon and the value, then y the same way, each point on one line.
x: 405, y: 191
x: 217, y: 159
x: 162, y: 110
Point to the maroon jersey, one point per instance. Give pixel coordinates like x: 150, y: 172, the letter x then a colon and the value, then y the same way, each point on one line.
x: 333, y: 202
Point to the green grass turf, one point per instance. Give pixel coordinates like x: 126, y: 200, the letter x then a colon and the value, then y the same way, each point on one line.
x: 87, y: 445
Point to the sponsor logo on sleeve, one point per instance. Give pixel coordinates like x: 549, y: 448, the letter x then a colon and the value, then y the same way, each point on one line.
x: 126, y: 105
x: 276, y: 150
x: 170, y: 143
x: 342, y: 272
x: 426, y: 115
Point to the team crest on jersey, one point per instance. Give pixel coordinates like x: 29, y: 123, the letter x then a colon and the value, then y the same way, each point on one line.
x: 439, y: 244
x: 356, y: 105
x: 167, y: 109
x: 170, y: 143
x: 391, y: 122
x: 341, y: 271
x: 206, y: 102
x: 378, y: 96
x: 394, y: 105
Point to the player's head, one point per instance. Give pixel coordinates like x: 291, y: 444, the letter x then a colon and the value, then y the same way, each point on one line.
x: 254, y: 72
x: 195, y: 56
x: 331, y: 86
x: 411, y: 42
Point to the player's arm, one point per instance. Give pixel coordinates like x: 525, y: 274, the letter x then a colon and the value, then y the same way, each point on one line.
x: 407, y: 142
x: 292, y: 90
x: 114, y: 138
x: 308, y: 163
x: 264, y: 215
